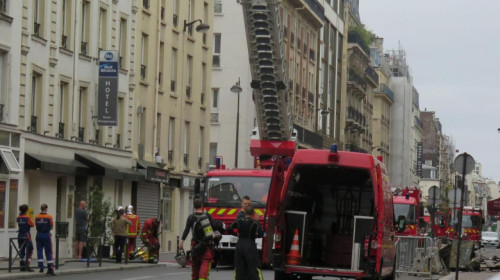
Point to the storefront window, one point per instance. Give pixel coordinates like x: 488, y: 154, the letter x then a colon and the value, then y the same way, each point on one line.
x: 12, y: 203
x: 4, y: 138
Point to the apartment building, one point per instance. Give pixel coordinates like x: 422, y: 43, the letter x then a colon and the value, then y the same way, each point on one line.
x: 362, y: 79
x: 54, y: 149
x: 416, y: 136
x: 171, y: 117
x: 383, y: 98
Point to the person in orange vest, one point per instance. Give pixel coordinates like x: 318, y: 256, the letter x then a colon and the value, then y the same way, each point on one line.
x: 133, y: 229
x: 149, y: 236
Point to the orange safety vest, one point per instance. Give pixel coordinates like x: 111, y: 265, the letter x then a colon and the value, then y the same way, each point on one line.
x: 132, y: 229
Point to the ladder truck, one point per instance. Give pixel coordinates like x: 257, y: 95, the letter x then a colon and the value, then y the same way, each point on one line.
x: 354, y: 187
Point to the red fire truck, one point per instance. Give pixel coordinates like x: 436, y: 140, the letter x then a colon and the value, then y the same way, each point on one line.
x: 472, y: 223
x: 222, y: 194
x: 407, y: 204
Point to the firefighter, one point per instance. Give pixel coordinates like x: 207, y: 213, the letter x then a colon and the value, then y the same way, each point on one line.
x: 247, y: 257
x: 149, y: 236
x: 202, y: 251
x: 132, y: 229
x: 244, y: 202
x: 44, y: 224
x: 24, y: 223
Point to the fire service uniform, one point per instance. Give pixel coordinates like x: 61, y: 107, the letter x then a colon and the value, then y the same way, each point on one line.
x: 44, y: 223
x: 246, y: 256
x: 132, y: 230
x: 149, y: 236
x: 24, y: 224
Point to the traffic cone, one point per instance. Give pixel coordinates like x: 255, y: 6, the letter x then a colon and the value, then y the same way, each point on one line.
x: 293, y: 257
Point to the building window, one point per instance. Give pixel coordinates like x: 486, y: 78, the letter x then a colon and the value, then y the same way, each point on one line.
x: 215, y: 97
x: 203, y: 82
x: 122, y: 114
x: 213, y: 153
x: 216, y: 50
x: 201, y: 144
x: 63, y: 109
x: 186, y: 143
x: 38, y: 17
x: 166, y: 209
x: 171, y: 134
x: 103, y: 26
x: 160, y: 71
x: 189, y: 76
x: 144, y: 57
x: 3, y: 6
x: 85, y: 28
x: 3, y: 81
x: 36, y: 101
x: 218, y: 7
x: 66, y: 24
x: 82, y: 115
x: 176, y: 13
x: 173, y: 69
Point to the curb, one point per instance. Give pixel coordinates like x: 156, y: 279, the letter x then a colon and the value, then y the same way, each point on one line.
x: 23, y: 275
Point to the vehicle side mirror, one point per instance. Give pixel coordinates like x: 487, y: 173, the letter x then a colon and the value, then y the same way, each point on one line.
x: 401, y: 224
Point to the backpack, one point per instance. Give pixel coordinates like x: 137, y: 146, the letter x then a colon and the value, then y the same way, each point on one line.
x: 202, y: 229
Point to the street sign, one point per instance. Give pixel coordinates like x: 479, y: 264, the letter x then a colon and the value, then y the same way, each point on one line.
x: 433, y: 201
x: 454, y: 196
x: 469, y: 163
x: 434, y: 192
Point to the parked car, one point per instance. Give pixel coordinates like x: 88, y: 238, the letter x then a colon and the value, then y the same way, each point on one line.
x: 490, y: 238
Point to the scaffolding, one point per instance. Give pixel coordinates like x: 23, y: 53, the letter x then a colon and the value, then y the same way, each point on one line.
x: 397, y: 62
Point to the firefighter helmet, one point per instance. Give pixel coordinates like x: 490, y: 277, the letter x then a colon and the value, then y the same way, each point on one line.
x: 129, y: 209
x: 182, y: 258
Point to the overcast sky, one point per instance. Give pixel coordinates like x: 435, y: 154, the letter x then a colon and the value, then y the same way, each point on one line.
x: 453, y: 50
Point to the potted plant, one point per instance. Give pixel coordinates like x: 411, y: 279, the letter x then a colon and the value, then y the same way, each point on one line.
x: 100, y: 212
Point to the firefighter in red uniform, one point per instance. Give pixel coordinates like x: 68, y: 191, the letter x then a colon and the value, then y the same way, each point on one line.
x: 149, y: 236
x: 133, y: 229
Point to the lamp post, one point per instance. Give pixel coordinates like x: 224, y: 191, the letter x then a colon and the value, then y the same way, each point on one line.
x: 236, y: 88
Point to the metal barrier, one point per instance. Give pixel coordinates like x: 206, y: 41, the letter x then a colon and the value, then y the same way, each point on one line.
x: 414, y: 255
x: 61, y: 232
x: 13, y: 244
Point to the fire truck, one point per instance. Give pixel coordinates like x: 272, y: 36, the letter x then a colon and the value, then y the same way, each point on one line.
x: 329, y: 213
x: 222, y: 194
x: 407, y: 204
x: 472, y: 223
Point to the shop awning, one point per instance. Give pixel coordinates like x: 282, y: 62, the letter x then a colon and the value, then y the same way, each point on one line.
x: 142, y: 164
x: 152, y: 171
x: 100, y: 168
x: 54, y: 164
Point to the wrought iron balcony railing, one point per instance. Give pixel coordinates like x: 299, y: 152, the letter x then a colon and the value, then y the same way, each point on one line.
x: 32, y: 126
x: 36, y: 29
x: 81, y: 133
x: 83, y: 48
x: 60, y: 131
x: 170, y: 156
x: 186, y: 160
x: 143, y: 71
x: 64, y: 41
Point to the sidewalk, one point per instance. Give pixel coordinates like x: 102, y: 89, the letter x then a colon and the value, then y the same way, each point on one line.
x: 74, y: 266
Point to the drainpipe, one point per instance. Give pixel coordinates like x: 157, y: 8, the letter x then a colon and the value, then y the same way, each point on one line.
x: 155, y: 118
x: 75, y: 53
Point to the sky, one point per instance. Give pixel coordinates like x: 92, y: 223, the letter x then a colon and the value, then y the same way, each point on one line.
x: 453, y: 50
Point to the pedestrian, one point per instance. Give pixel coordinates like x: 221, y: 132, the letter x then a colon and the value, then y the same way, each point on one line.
x: 81, y: 220
x: 132, y: 229
x: 244, y: 202
x: 24, y: 224
x: 202, y: 255
x: 149, y: 236
x: 119, y: 228
x: 247, y: 264
x: 44, y: 224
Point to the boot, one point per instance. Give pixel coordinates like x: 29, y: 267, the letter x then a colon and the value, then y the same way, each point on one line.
x: 28, y: 268
x: 50, y: 272
x: 23, y: 266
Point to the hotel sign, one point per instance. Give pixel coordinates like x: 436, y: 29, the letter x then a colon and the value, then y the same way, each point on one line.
x: 107, y: 113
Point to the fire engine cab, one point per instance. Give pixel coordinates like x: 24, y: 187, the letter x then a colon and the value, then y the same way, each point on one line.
x: 407, y: 205
x: 472, y: 223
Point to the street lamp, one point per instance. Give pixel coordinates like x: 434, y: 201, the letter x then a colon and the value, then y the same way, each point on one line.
x: 236, y: 88
x: 202, y: 27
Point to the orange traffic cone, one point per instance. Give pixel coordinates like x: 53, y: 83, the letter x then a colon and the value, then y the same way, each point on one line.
x: 293, y: 257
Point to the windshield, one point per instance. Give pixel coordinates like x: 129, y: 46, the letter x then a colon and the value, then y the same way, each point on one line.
x: 406, y: 210
x: 469, y: 221
x: 490, y: 234
x: 228, y: 191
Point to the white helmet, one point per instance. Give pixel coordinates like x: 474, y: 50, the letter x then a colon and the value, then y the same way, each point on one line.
x: 119, y: 207
x: 129, y: 209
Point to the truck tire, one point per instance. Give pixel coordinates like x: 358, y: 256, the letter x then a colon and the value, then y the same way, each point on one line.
x: 281, y: 275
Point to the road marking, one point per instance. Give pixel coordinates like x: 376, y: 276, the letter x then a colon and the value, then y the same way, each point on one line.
x: 140, y: 278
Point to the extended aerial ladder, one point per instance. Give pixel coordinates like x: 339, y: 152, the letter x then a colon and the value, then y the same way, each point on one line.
x: 269, y: 78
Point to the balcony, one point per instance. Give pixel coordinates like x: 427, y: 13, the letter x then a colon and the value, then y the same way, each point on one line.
x: 372, y: 76
x: 356, y: 84
x: 188, y: 92
x: 143, y: 71
x: 355, y: 38
x: 32, y: 126
x: 186, y: 160
x: 170, y: 156
x: 172, y: 86
x: 64, y: 41
x: 81, y: 134
x: 60, y: 131
x: 36, y: 29
x: 83, y: 48
x: 145, y: 4
x: 388, y: 92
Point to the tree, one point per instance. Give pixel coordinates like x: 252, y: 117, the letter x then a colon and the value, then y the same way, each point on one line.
x: 100, y: 211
